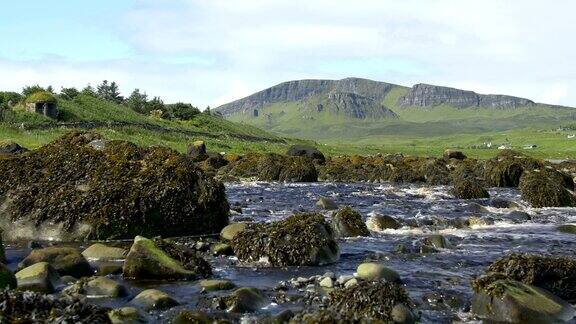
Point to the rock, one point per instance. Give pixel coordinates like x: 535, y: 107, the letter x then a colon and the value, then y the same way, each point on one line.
x: 2, y: 252
x: 372, y: 271
x: 502, y: 203
x: 7, y: 278
x: 197, y: 150
x: 104, y: 268
x: 368, y: 301
x: 378, y: 223
x: 216, y: 284
x: 402, y: 314
x: 222, y: 249
x: 104, y: 287
x: 101, y: 252
x: 31, y: 307
x: 515, y: 302
x: 567, y: 228
x: 452, y: 154
x: 193, y: 317
x: 350, y: 283
x: 118, y: 192
x: 146, y: 260
x: 326, y: 204
x: 127, y: 315
x: 40, y: 277
x: 437, y: 241
x: 306, y: 151
x: 245, y: 300
x: 517, y: 216
x: 67, y: 261
x: 343, y: 279
x: 327, y: 283
x: 298, y: 169
x: 547, y: 188
x: 468, y: 188
x: 9, y: 147
x: 154, y: 299
x: 228, y: 232
x: 68, y: 280
x: 301, y: 239
x: 479, y: 221
x: 507, y: 167
x: 554, y: 274
x: 33, y: 245
x: 348, y: 223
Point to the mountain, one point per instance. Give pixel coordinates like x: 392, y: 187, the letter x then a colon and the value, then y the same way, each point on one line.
x: 354, y: 108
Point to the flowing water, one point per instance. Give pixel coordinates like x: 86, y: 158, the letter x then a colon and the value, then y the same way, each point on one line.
x: 439, y: 283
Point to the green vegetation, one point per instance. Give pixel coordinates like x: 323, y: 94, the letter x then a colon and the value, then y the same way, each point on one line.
x: 41, y: 96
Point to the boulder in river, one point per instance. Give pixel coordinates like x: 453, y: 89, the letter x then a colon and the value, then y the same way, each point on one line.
x: 370, y: 301
x: 154, y: 299
x: 243, y: 300
x: 567, y: 228
x: 68, y: 190
x: 379, y: 223
x: 505, y: 169
x: 372, y: 271
x: 96, y: 287
x: 306, y: 151
x: 230, y: 231
x: 301, y: 239
x: 101, y: 252
x: 468, y: 188
x: 127, y: 315
x: 348, y: 223
x: 326, y: 203
x: 511, y: 301
x: 216, y: 284
x: 547, y: 188
x: 163, y: 260
x: 66, y: 260
x: 40, y: 277
x: 555, y: 274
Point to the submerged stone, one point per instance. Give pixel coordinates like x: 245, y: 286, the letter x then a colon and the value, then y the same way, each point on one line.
x: 216, y: 284
x: 118, y: 192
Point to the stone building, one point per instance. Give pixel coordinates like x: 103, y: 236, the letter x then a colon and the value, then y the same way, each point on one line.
x: 43, y: 103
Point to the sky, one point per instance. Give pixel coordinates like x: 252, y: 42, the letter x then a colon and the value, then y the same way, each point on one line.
x: 210, y: 52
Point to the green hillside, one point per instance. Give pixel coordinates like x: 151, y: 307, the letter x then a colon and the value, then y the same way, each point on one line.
x: 119, y: 122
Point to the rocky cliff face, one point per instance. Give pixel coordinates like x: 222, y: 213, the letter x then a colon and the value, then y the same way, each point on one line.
x: 357, y: 106
x: 304, y: 89
x: 425, y: 95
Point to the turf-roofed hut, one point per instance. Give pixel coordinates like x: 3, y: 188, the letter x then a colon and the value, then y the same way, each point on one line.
x: 43, y: 103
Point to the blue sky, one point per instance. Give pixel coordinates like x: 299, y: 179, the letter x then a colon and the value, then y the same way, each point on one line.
x: 208, y: 52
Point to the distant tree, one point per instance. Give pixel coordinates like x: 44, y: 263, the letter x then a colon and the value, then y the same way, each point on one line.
x: 183, y: 111
x: 207, y: 110
x: 138, y: 102
x: 50, y: 89
x: 28, y: 90
x: 109, y: 91
x: 69, y: 93
x: 89, y: 91
x: 9, y: 98
x: 157, y: 104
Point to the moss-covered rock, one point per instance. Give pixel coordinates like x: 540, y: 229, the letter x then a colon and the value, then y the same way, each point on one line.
x: 511, y: 301
x: 66, y: 260
x: 230, y: 231
x: 69, y: 190
x: 96, y: 287
x: 369, y: 301
x: 127, y: 315
x: 326, y: 203
x: 40, y: 277
x: 348, y: 223
x: 163, y: 260
x: 216, y: 284
x: 243, y: 300
x: 435, y: 172
x: 17, y: 306
x: 468, y: 187
x: 547, y: 188
x: 273, y: 167
x: 301, y: 239
x: 197, y: 151
x: 507, y: 167
x: 375, y: 271
x: 436, y: 241
x: 567, y: 228
x: 7, y: 278
x: 555, y: 274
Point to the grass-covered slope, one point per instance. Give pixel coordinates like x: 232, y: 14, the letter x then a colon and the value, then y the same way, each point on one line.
x: 119, y: 122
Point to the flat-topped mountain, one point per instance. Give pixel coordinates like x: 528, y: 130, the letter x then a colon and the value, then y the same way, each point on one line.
x: 356, y: 108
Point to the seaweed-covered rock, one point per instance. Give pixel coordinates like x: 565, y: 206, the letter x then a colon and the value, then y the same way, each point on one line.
x: 567, y: 228
x: 348, y: 223
x: 435, y: 172
x: 369, y: 301
x: 379, y: 223
x: 453, y: 154
x: 197, y: 150
x: 163, y: 260
x: 7, y: 278
x: 547, y: 188
x: 301, y: 239
x: 17, y: 306
x: 101, y: 252
x: 69, y: 190
x: 511, y: 301
x: 468, y: 188
x: 66, y: 260
x: 127, y: 315
x: 306, y: 151
x: 40, y: 277
x: 154, y: 299
x: 408, y: 170
x: 507, y: 167
x: 10, y: 147
x: 555, y: 274
x: 298, y: 169
x: 274, y: 167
